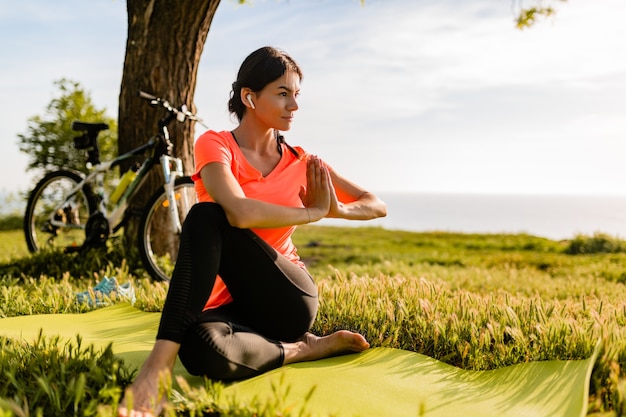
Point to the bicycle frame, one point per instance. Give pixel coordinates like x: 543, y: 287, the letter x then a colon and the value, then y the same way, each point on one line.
x: 172, y: 168
x: 77, y: 211
x: 170, y: 176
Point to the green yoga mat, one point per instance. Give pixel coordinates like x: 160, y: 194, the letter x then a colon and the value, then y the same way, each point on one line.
x: 377, y: 382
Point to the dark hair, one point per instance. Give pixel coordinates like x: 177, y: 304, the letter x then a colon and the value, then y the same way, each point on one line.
x: 260, y: 68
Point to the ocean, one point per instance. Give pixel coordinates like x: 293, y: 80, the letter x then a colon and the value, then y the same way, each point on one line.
x: 555, y: 217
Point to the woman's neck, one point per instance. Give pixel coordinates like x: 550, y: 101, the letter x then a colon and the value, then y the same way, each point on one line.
x: 259, y: 140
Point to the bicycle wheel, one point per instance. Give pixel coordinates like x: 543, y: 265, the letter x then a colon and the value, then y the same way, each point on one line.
x: 55, y: 217
x: 158, y: 239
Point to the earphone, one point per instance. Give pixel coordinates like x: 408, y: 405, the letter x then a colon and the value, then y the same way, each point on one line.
x: 249, y: 97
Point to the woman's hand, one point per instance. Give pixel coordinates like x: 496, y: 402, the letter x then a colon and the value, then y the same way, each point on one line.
x: 336, y: 207
x: 318, y: 196
x: 349, y: 201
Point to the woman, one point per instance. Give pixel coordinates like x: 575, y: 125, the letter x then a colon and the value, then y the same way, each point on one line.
x: 240, y: 300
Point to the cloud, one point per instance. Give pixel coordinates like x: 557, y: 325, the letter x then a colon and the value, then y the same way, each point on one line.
x: 444, y: 92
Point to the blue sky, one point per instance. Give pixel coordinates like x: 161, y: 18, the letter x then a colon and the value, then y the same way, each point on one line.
x: 419, y: 96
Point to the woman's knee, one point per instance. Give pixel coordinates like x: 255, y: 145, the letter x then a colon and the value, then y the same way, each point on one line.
x: 204, y: 219
x: 205, y: 210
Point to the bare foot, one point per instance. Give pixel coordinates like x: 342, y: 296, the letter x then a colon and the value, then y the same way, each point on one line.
x: 146, y: 395
x: 312, y: 347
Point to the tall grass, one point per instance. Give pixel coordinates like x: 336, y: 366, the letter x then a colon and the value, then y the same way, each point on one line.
x: 475, y: 301
x: 54, y: 378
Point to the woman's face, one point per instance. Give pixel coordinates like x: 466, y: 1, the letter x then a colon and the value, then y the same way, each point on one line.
x: 276, y: 103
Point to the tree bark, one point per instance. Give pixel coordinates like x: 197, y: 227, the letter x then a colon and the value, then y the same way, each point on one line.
x: 163, y: 49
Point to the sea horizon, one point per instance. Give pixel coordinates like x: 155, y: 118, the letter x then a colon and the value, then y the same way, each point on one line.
x: 556, y: 217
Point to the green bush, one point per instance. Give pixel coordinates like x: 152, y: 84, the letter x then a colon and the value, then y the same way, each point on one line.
x: 11, y: 222
x: 598, y: 243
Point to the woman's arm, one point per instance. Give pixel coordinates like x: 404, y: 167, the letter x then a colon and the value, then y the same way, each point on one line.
x: 360, y: 204
x: 245, y: 213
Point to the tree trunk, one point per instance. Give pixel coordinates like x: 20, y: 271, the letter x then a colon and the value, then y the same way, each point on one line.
x: 163, y: 49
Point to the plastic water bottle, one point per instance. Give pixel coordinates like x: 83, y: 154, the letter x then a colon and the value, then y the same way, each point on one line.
x: 126, y: 179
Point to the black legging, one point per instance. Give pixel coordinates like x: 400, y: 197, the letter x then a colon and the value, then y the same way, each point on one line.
x: 274, y: 300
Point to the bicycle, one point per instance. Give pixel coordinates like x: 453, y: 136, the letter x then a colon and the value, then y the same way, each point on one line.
x: 72, y: 211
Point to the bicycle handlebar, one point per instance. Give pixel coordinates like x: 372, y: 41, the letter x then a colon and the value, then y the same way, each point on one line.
x: 146, y: 96
x: 181, y: 113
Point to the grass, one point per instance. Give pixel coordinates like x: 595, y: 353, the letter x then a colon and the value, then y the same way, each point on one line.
x: 474, y: 301
x: 12, y: 245
x: 60, y: 390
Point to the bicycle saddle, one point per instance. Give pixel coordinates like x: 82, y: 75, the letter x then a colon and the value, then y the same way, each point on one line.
x: 90, y: 127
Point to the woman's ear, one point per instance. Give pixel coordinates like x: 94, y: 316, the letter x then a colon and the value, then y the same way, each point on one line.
x: 248, y: 97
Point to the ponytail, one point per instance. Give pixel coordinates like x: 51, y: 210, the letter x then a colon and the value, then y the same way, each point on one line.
x: 281, y: 140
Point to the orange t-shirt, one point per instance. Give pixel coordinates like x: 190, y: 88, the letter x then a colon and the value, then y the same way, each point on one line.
x: 281, y: 186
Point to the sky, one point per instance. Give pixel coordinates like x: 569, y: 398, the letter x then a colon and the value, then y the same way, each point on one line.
x: 429, y: 96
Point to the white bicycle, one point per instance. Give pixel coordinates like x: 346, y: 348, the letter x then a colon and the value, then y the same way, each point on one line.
x: 72, y: 211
